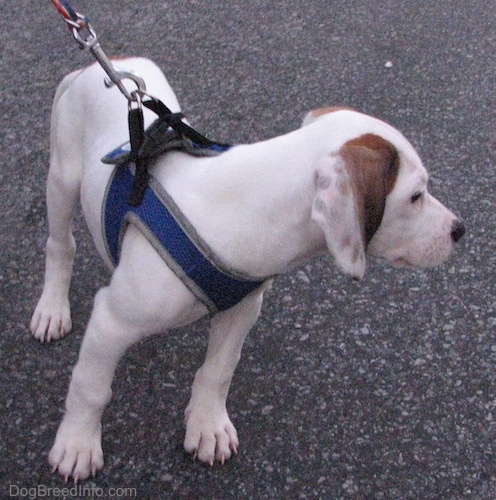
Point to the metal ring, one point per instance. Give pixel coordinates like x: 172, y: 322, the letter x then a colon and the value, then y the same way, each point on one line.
x: 134, y: 97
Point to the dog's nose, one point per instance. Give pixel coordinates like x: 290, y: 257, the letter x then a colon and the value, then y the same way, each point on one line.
x: 457, y: 230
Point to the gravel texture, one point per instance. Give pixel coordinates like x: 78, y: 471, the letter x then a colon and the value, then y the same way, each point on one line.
x: 378, y: 390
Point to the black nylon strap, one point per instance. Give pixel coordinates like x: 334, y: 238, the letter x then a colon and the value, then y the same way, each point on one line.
x: 176, y: 123
x: 137, y: 138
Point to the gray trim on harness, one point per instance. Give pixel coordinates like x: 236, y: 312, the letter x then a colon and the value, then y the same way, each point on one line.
x: 134, y: 219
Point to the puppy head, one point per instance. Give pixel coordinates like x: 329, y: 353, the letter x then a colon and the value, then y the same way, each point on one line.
x: 351, y: 190
x: 371, y: 198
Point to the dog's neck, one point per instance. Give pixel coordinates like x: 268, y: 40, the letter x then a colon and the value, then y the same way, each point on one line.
x: 256, y: 196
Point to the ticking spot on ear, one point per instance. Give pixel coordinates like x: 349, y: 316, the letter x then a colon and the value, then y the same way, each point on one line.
x: 346, y: 241
x: 344, y: 187
x: 319, y: 205
x: 324, y: 181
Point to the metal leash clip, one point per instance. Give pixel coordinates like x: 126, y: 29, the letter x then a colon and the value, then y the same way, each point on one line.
x: 78, y: 24
x: 115, y: 75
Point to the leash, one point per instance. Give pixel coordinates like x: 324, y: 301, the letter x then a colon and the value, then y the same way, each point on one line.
x: 87, y: 39
x: 78, y: 24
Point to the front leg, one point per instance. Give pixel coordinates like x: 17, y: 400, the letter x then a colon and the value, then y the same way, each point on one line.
x: 210, y: 434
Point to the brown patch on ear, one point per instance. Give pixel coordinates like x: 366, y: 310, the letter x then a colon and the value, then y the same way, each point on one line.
x: 372, y: 163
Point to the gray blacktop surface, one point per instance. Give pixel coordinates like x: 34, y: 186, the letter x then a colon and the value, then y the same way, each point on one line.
x: 383, y: 389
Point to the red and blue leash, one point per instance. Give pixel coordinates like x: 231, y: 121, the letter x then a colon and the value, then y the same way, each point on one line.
x: 69, y: 14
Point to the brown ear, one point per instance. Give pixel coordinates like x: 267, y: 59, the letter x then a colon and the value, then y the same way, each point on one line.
x: 350, y: 196
x: 372, y: 163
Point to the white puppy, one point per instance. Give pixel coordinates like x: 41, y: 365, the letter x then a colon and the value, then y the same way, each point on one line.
x: 344, y: 183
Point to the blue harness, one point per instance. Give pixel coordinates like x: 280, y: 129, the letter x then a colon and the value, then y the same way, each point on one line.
x: 173, y: 237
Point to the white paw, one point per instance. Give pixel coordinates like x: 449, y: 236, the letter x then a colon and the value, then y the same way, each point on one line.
x: 51, y: 319
x: 210, y: 436
x: 76, y: 454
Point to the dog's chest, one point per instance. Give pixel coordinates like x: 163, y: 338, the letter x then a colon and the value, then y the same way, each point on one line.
x: 166, y: 228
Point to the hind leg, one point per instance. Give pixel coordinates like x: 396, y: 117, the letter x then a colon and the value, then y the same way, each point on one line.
x: 51, y: 318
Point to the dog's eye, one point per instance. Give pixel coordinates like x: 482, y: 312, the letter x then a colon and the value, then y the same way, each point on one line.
x: 416, y: 197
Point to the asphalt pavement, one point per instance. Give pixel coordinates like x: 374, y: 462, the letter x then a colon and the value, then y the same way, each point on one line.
x: 378, y: 390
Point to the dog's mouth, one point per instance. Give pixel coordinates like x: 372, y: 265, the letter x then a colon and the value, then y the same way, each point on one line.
x: 429, y: 262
